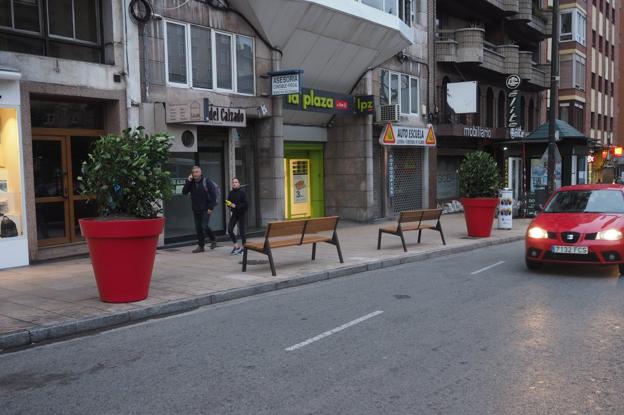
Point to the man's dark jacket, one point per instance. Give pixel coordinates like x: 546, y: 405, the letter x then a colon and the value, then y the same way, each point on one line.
x: 203, y: 194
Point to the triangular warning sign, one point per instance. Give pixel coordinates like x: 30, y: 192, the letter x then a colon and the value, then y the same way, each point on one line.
x: 388, y: 137
x: 431, y: 138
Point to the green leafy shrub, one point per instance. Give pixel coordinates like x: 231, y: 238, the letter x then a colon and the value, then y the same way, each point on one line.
x: 478, y: 175
x: 126, y: 173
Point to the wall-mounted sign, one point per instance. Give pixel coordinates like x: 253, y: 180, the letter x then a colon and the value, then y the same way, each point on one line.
x: 513, y: 109
x: 285, y: 83
x: 478, y: 132
x: 395, y: 135
x: 516, y: 133
x: 513, y: 82
x: 226, y: 117
x: 316, y: 100
x: 365, y: 104
x: 201, y: 112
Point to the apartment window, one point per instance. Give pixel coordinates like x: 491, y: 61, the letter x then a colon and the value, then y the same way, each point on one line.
x: 599, y: 123
x: 245, y: 71
x: 607, y: 12
x: 176, y: 53
x: 401, y: 89
x: 612, y: 89
x: 200, y: 57
x: 606, y: 123
x: 68, y: 29
x: 607, y: 48
x: 593, y: 38
x: 403, y: 9
x: 579, y: 72
x: 592, y: 120
x: 612, y: 52
x: 573, y: 26
x: 600, y: 84
x: 611, y: 123
x: 600, y: 44
x: 593, y: 81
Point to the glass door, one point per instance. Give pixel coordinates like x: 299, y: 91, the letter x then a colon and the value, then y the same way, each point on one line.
x: 51, y: 190
x: 211, y: 163
x: 57, y: 162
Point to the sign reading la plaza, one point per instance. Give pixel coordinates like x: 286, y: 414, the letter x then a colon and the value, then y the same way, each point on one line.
x: 395, y: 135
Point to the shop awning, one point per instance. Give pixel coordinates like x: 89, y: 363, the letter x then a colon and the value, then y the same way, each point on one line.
x: 566, y: 132
x: 334, y: 42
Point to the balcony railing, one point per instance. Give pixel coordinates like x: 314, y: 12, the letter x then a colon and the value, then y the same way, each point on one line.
x: 467, y: 45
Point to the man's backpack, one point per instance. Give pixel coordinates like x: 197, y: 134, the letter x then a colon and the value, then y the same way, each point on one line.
x: 8, y: 228
x: 216, y: 188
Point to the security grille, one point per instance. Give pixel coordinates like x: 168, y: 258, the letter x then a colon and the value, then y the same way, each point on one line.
x: 300, y: 167
x: 405, y: 171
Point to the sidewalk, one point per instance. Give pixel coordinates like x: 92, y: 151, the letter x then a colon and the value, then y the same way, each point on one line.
x: 57, y: 299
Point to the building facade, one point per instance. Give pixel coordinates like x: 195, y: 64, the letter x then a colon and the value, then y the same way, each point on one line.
x: 65, y: 79
x: 478, y: 45
x: 199, y: 70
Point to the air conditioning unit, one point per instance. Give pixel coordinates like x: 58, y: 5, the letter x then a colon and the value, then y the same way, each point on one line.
x: 183, y: 138
x: 388, y: 113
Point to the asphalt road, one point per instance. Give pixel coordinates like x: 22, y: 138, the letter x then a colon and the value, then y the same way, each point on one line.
x: 466, y: 334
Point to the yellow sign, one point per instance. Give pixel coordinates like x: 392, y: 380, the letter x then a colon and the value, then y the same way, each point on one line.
x: 431, y: 138
x: 388, y: 136
x: 400, y: 135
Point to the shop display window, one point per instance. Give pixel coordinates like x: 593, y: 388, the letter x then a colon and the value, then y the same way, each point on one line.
x: 10, y: 173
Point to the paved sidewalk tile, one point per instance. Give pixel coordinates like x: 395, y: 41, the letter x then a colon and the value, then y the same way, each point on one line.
x: 46, y: 294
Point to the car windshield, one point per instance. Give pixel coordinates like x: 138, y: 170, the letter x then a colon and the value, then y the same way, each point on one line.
x: 586, y: 201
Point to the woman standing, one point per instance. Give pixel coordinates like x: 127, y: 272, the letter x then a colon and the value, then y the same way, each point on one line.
x: 237, y: 202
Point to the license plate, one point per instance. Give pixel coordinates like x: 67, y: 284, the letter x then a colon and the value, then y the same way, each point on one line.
x: 579, y: 250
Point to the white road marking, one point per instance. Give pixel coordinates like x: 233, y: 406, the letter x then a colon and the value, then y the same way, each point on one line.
x: 333, y: 331
x: 486, y: 268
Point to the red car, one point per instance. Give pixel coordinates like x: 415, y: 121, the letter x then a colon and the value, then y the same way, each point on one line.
x: 580, y: 224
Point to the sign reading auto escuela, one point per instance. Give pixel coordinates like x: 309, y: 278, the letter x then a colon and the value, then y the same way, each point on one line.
x: 396, y: 135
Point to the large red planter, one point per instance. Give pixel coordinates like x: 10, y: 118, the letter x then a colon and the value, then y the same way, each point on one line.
x: 122, y: 253
x: 479, y: 214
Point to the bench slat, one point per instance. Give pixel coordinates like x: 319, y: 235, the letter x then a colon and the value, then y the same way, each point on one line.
x: 432, y: 214
x: 321, y: 224
x: 288, y: 228
x: 410, y: 216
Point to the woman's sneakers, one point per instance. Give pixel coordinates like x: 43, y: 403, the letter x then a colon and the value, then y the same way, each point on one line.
x: 237, y: 251
x: 234, y: 251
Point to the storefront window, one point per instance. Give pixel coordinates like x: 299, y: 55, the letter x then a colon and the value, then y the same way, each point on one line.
x: 179, y: 221
x: 10, y: 172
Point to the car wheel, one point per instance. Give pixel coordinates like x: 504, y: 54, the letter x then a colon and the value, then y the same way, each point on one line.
x: 534, y: 265
x: 621, y: 266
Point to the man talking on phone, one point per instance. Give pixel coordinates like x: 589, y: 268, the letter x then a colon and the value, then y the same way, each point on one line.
x: 203, y: 200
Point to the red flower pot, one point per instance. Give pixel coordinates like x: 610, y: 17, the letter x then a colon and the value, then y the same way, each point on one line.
x: 122, y: 253
x: 479, y: 214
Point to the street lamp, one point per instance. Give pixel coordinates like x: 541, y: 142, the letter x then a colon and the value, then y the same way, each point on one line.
x: 554, y: 97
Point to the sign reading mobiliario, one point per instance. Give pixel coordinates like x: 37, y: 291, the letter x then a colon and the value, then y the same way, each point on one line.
x: 397, y: 135
x: 204, y: 113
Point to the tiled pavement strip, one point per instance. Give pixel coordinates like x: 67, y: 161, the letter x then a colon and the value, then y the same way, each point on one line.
x: 58, y: 299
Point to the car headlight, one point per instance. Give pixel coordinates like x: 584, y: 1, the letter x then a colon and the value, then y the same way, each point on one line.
x: 537, y: 233
x: 610, y: 235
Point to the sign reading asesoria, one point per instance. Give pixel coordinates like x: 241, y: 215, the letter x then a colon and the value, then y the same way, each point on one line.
x: 396, y: 135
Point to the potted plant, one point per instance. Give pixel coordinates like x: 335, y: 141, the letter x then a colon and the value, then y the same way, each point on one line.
x: 478, y: 184
x: 126, y: 176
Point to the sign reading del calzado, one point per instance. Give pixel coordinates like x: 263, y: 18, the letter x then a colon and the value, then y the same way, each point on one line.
x: 201, y: 112
x: 396, y: 135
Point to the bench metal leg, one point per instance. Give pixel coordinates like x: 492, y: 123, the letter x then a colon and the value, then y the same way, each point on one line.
x: 441, y: 233
x: 337, y: 243
x: 419, y: 234
x: 271, y: 263
x: 313, y: 251
x: 244, y: 259
x: 403, y: 241
x: 379, y: 240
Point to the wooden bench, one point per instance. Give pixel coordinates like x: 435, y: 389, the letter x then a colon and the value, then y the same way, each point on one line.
x: 295, y: 233
x: 412, y: 220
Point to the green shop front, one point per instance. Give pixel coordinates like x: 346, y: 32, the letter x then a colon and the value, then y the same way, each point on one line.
x: 308, y: 116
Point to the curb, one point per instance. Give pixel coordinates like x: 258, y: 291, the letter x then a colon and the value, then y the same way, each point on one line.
x: 26, y: 337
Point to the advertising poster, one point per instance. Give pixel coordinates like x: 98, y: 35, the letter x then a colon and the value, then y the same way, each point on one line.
x: 300, y: 184
x: 505, y: 209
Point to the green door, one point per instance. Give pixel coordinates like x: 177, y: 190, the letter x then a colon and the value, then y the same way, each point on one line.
x: 304, y: 178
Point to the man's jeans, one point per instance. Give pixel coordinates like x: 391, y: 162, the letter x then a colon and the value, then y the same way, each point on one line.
x: 202, y: 220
